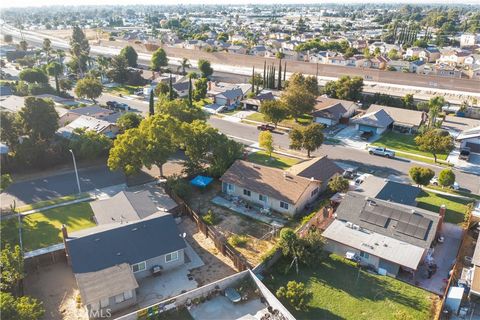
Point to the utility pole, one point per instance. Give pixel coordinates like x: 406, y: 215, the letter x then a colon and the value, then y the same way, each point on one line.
x: 76, y: 171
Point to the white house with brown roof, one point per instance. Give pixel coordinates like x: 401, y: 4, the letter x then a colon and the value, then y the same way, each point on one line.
x: 330, y: 111
x: 273, y: 188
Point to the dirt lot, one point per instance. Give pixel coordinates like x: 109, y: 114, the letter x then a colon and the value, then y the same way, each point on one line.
x: 91, y: 34
x: 217, y: 266
x: 231, y: 223
x: 55, y: 285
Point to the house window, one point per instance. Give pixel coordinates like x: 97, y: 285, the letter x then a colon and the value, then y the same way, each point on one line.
x: 364, y: 255
x: 128, y: 295
x: 104, y: 303
x: 262, y: 198
x: 247, y: 192
x: 171, y: 256
x: 137, y: 267
x: 119, y: 298
x: 314, y: 192
x: 283, y: 205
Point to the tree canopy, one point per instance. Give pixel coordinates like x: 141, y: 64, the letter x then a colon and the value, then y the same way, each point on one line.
x: 33, y: 75
x: 205, y: 68
x: 298, y: 100
x: 446, y: 178
x: 273, y: 111
x: 128, y: 120
x: 159, y: 60
x: 38, y: 118
x: 421, y: 175
x: 131, y: 55
x: 89, y: 144
x: 435, y: 141
x: 309, y: 138
x: 119, y: 69
x: 345, y: 88
x: 90, y: 88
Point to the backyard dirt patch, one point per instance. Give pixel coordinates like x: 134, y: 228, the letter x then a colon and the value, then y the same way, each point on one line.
x: 261, y: 236
x: 55, y: 285
x: 217, y: 266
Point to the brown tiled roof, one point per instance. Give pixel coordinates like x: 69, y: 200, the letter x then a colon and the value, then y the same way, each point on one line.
x: 332, y: 108
x: 272, y: 182
x: 321, y: 169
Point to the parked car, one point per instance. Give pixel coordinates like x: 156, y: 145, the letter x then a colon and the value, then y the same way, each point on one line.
x: 350, y: 173
x: 138, y: 92
x: 118, y: 105
x: 454, y: 186
x: 380, y: 151
x: 359, y: 180
x: 366, y: 135
x: 265, y: 127
x: 464, y: 154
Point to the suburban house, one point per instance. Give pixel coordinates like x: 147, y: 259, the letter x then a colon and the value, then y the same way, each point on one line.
x: 237, y: 49
x: 375, y: 122
x: 229, y: 98
x: 255, y: 102
x: 258, y: 51
x: 470, y: 138
x: 269, y: 187
x: 404, y: 120
x: 109, y: 261
x: 321, y: 169
x: 91, y: 111
x: 333, y: 111
x: 400, y: 65
x: 429, y: 54
x: 87, y: 123
x: 181, y: 88
x: 133, y: 205
x: 388, y: 236
x: 384, y: 189
x: 475, y: 273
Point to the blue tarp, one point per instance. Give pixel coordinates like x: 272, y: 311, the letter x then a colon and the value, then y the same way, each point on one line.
x: 201, y: 181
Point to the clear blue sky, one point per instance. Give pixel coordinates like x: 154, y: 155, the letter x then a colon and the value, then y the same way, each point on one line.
x: 26, y: 3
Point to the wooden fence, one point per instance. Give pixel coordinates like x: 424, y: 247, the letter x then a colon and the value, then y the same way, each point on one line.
x: 219, y: 240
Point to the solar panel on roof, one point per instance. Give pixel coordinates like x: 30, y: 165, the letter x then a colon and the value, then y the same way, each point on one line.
x: 420, y: 233
x: 411, y: 228
x: 404, y: 217
x: 401, y: 226
x: 415, y: 219
x: 424, y: 223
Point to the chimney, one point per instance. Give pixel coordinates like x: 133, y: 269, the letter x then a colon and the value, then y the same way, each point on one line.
x: 441, y: 213
x: 65, y: 237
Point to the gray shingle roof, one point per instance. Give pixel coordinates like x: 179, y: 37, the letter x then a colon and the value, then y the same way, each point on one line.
x: 128, y: 243
x: 232, y: 94
x: 355, y: 204
x: 379, y: 119
x: 387, y: 190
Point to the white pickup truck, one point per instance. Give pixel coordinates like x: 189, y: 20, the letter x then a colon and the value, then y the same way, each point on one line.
x: 379, y: 151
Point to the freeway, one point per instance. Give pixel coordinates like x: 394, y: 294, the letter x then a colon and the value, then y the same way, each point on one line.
x: 240, y: 65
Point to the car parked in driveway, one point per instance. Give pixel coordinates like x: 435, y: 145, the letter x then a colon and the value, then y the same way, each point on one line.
x: 380, y: 151
x: 118, y: 105
x: 464, y: 154
x: 366, y: 135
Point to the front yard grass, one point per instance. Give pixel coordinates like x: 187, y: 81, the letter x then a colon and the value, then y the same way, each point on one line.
x: 289, y: 123
x: 43, y: 229
x: 405, y: 143
x: 203, y: 102
x: 123, y: 89
x: 456, y: 207
x: 51, y: 202
x: 277, y: 160
x: 340, y: 291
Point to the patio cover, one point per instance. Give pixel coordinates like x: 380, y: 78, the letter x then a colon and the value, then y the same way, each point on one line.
x: 201, y: 181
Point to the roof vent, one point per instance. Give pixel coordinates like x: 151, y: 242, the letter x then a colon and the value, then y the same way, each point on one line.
x: 413, y: 211
x: 372, y: 203
x: 119, y: 253
x: 134, y: 229
x: 97, y: 239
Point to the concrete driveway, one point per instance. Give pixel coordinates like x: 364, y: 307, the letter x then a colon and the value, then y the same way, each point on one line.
x: 351, y: 137
x: 222, y: 308
x: 471, y: 166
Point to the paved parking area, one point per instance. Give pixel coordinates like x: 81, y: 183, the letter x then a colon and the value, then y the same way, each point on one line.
x: 472, y: 165
x: 222, y: 308
x: 351, y: 137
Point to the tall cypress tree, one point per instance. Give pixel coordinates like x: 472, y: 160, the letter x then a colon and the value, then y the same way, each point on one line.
x: 151, y: 109
x: 264, y: 74
x: 253, y: 79
x: 285, y: 71
x: 273, y: 77
x: 190, y: 102
x: 279, y: 83
x: 170, y: 88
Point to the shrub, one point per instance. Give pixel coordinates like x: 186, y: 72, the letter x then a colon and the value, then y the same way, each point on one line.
x: 179, y: 186
x: 238, y: 240
x: 211, y: 218
x: 446, y: 178
x: 295, y: 294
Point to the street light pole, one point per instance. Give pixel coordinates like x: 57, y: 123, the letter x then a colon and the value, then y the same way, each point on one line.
x: 76, y: 171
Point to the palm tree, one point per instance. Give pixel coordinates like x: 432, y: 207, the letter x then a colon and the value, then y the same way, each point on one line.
x: 184, y: 65
x: 103, y: 65
x: 435, y: 105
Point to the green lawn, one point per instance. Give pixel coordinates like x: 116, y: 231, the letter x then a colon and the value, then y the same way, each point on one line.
x: 203, y: 102
x: 457, y: 192
x: 46, y: 203
x: 43, y: 229
x: 277, y: 160
x: 404, y: 142
x: 456, y: 207
x: 422, y: 159
x: 340, y: 291
x: 123, y: 89
x: 289, y: 123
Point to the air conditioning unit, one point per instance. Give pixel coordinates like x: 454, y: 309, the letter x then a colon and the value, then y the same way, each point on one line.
x: 349, y: 225
x: 356, y: 227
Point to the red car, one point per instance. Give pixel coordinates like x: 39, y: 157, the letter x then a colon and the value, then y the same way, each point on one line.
x: 265, y: 127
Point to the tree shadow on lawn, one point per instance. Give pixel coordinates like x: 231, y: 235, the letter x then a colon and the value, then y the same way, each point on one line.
x: 338, y: 275
x: 39, y: 234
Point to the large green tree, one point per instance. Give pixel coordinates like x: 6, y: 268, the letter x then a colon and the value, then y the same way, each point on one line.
x: 201, y: 87
x: 89, y: 144
x: 309, y: 138
x: 79, y: 50
x: 128, y: 120
x: 205, y: 68
x: 12, y: 268
x: 345, y: 88
x: 38, y: 118
x: 22, y: 308
x: 131, y: 55
x: 421, y: 175
x: 265, y: 141
x: 118, y: 71
x: 127, y: 152
x: 298, y: 100
x: 179, y: 109
x: 159, y: 60
x: 90, y: 88
x: 435, y: 141
x: 10, y: 128
x: 446, y: 177
x: 54, y: 69
x: 33, y: 75
x: 273, y: 111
